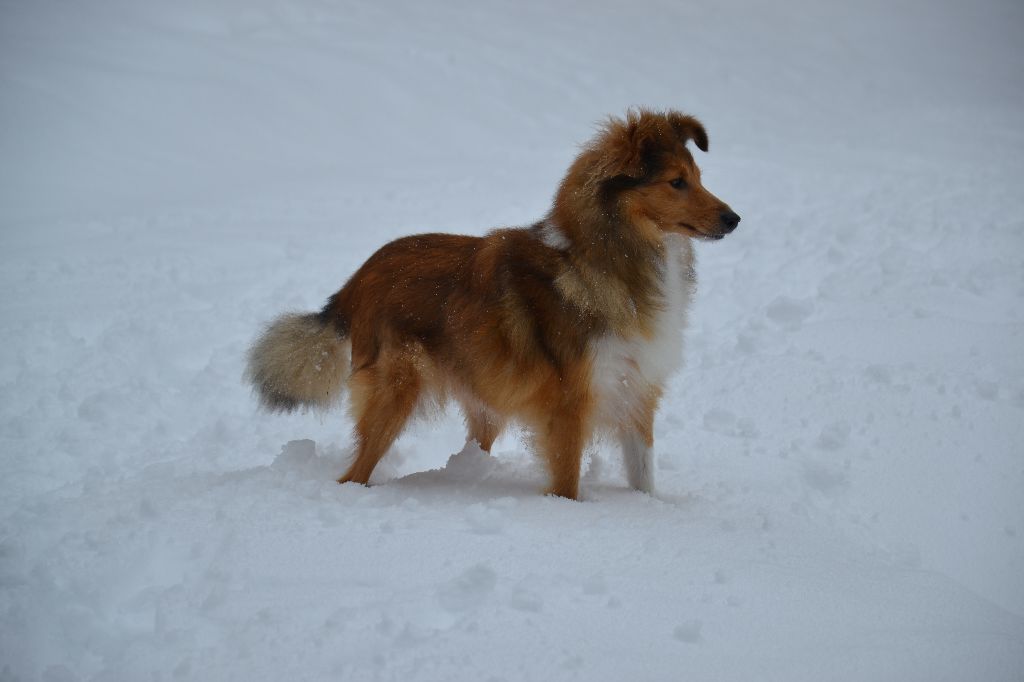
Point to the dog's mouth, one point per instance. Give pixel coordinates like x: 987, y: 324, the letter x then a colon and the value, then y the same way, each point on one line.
x: 713, y: 237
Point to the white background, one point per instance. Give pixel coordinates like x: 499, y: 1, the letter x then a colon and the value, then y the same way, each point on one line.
x: 840, y: 464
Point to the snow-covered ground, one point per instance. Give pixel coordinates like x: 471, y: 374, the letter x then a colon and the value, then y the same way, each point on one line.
x: 841, y: 463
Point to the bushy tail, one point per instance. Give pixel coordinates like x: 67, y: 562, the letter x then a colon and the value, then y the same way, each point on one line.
x: 300, y: 360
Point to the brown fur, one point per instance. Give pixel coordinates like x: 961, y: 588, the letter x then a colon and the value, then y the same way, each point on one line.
x: 506, y: 324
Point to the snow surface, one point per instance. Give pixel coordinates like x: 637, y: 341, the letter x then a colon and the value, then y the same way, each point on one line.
x: 840, y: 463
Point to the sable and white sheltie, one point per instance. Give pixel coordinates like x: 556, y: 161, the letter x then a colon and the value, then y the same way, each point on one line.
x: 570, y: 326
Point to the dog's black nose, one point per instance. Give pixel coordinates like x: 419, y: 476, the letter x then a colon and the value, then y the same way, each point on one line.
x: 729, y: 221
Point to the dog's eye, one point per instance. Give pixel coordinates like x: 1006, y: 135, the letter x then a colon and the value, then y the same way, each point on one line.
x: 678, y: 183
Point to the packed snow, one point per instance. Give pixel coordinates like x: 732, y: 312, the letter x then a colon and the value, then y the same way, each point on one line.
x: 840, y: 463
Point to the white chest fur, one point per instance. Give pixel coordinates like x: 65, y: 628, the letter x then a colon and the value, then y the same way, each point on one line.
x: 625, y: 368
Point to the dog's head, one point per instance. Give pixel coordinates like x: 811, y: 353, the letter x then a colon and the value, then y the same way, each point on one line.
x: 641, y: 167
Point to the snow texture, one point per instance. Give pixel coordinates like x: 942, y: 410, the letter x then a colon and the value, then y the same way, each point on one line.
x: 839, y: 463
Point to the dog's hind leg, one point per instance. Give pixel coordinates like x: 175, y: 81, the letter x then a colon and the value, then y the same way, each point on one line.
x: 483, y: 426
x: 383, y: 398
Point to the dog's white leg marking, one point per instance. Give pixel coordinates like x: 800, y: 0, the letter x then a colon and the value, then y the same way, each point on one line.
x: 639, y: 460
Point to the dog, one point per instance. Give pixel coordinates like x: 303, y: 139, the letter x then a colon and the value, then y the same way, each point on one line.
x: 569, y: 327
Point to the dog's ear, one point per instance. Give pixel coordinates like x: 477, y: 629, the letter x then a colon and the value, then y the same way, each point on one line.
x: 631, y: 149
x: 688, y: 128
x: 626, y: 147
x: 619, y: 149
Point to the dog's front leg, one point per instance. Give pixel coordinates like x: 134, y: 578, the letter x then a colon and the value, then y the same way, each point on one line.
x: 561, y: 441
x: 637, y: 439
x: 638, y: 456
